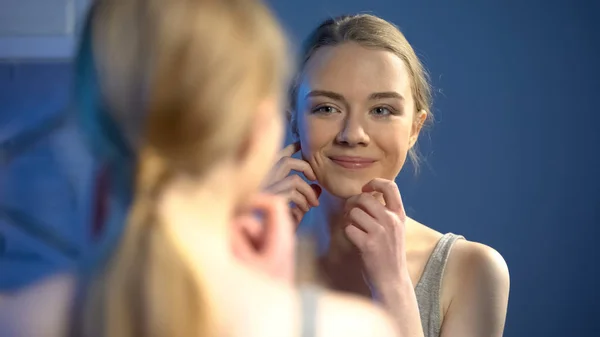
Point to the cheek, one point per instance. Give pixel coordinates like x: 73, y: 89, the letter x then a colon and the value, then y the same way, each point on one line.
x: 394, y: 143
x: 315, y: 134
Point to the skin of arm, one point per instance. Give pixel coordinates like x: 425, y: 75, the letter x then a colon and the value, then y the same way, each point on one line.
x: 479, y: 281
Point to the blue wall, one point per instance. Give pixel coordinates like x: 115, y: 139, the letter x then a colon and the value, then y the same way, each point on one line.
x: 511, y: 162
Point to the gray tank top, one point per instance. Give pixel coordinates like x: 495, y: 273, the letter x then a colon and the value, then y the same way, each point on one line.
x: 429, y: 287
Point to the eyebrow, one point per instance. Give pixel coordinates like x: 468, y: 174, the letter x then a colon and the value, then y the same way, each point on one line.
x: 339, y: 97
x: 386, y: 94
x: 325, y: 93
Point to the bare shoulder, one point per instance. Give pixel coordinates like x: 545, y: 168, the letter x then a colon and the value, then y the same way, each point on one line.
x: 467, y: 260
x: 470, y: 259
x: 53, y: 287
x: 476, y: 289
x: 41, y: 307
x: 475, y: 272
x: 344, y: 315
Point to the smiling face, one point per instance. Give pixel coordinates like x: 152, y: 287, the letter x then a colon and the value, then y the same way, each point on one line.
x: 356, y: 116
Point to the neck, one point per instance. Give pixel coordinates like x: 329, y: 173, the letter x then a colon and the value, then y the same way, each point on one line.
x: 198, y: 215
x: 329, y: 221
x: 331, y: 210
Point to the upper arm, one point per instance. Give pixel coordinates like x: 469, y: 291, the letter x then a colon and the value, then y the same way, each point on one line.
x: 351, y: 316
x: 479, y: 304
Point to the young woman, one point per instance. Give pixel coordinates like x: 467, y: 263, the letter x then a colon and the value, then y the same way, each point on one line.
x: 190, y: 93
x: 358, y: 105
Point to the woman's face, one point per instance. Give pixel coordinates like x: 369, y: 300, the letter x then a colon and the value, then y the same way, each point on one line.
x: 356, y: 116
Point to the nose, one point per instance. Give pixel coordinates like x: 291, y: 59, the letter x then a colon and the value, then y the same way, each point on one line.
x: 353, y: 132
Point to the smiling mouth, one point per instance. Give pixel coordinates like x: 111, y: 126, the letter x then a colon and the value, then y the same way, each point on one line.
x: 355, y: 163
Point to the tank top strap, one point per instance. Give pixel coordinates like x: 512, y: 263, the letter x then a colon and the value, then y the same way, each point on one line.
x: 309, y: 299
x: 429, y: 287
x: 439, y: 257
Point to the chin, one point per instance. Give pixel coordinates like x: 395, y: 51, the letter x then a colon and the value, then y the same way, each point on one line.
x: 342, y: 187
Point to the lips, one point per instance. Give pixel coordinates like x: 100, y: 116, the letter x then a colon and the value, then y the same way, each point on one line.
x: 352, y: 162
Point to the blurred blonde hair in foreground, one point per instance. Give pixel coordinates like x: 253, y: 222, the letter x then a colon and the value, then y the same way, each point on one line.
x: 181, y: 79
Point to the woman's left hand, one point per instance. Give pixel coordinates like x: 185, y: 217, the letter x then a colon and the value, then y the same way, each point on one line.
x: 377, y: 230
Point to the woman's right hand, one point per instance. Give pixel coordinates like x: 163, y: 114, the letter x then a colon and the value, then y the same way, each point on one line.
x: 282, y: 181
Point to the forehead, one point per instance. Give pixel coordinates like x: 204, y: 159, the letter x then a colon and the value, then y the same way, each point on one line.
x: 353, y: 70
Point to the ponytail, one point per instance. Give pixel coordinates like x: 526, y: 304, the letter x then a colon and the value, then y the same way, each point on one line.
x: 147, y: 288
x: 143, y: 286
x: 135, y: 283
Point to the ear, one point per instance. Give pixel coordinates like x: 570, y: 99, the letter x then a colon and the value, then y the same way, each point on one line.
x: 420, y: 118
x: 293, y: 123
x: 246, y: 235
x: 263, y: 236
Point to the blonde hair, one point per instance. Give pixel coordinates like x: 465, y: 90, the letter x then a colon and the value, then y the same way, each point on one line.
x: 371, y: 32
x: 181, y: 79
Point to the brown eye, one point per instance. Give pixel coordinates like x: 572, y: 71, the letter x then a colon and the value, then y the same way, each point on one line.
x: 325, y: 110
x: 381, y: 111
